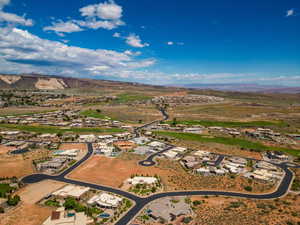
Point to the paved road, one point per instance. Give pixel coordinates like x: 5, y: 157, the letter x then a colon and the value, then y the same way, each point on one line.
x: 140, y: 203
x: 165, y: 117
x: 149, y: 161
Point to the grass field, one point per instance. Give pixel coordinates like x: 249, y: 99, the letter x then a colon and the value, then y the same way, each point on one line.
x: 242, y: 143
x: 50, y: 129
x: 25, y: 112
x: 131, y: 97
x: 94, y: 114
x: 210, y: 123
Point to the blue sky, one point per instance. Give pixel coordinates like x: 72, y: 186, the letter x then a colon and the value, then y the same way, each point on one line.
x: 156, y: 42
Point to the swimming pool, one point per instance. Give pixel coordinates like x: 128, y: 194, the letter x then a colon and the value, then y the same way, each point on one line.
x: 104, y: 215
x: 19, y: 151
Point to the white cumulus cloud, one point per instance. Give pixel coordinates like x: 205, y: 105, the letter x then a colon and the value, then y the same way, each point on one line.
x: 135, y: 41
x: 105, y: 24
x: 21, y: 51
x: 105, y: 15
x: 290, y: 12
x: 106, y: 11
x: 63, y: 27
x: 117, y: 35
x: 11, y: 17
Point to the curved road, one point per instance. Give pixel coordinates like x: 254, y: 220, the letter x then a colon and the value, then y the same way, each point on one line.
x: 140, y: 202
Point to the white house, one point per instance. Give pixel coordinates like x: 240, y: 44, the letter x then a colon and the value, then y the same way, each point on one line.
x: 105, y: 200
x: 142, y: 180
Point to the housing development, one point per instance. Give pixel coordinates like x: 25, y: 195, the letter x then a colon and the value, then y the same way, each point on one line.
x: 147, y: 112
x: 151, y: 157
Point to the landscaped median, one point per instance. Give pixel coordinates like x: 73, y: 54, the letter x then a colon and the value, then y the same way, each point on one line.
x: 54, y: 129
x: 242, y: 143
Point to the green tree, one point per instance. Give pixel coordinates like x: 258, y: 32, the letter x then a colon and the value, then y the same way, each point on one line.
x: 70, y: 203
x: 174, y: 122
x: 13, y: 201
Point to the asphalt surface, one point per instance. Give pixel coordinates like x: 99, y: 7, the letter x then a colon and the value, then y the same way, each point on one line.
x: 149, y: 161
x: 140, y: 203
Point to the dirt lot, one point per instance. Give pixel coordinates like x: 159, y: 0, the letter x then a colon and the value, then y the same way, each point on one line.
x: 233, y: 110
x: 29, y: 213
x: 223, y: 211
x: 25, y: 214
x: 19, y: 165
x: 80, y: 146
x: 131, y: 114
x: 32, y: 193
x: 114, y: 171
x: 5, y: 149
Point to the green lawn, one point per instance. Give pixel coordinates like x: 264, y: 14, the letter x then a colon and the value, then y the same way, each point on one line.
x: 242, y: 143
x: 94, y: 114
x: 210, y: 123
x: 130, y: 97
x: 27, y: 113
x: 52, y: 203
x: 5, y: 188
x: 52, y: 129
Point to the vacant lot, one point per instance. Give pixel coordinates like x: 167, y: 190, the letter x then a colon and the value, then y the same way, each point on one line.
x: 129, y: 113
x: 236, y: 110
x: 66, y: 146
x: 224, y: 211
x: 25, y: 214
x: 33, y: 193
x: 5, y: 149
x: 19, y: 165
x: 114, y: 171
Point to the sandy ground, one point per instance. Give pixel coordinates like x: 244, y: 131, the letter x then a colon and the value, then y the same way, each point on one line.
x: 15, y: 166
x: 19, y: 165
x: 212, y: 201
x: 28, y: 212
x: 113, y: 171
x: 80, y: 146
x: 32, y: 193
x: 5, y: 149
x: 25, y: 214
x: 218, y: 211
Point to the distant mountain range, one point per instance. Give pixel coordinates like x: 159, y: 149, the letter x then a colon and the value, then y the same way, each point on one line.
x: 51, y: 82
x: 244, y: 87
